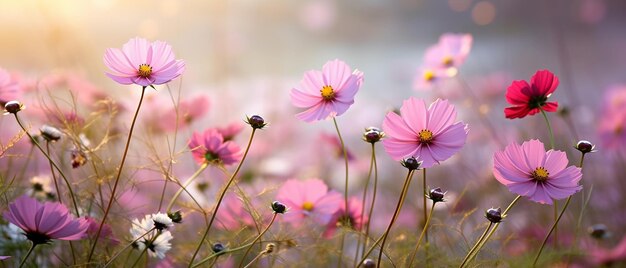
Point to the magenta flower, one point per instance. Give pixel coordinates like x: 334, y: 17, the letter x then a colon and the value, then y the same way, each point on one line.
x: 143, y: 63
x: 308, y: 199
x: 44, y: 222
x: 326, y: 93
x: 450, y: 52
x: 210, y: 147
x: 354, y: 217
x: 530, y: 171
x: 529, y: 99
x: 428, y: 134
x: 230, y: 131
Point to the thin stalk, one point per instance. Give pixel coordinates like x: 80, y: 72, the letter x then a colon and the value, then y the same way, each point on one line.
x: 493, y: 230
x: 32, y: 247
x: 255, y: 259
x: 480, y: 239
x: 54, y: 177
x: 345, y: 158
x: 369, y: 215
x: 117, y: 177
x: 219, y: 201
x: 127, y: 246
x: 405, y: 187
x: 69, y: 186
x: 424, y: 192
x: 185, y: 185
x: 556, y: 204
x: 257, y: 239
x: 556, y: 222
x: 363, y: 199
x: 419, y: 241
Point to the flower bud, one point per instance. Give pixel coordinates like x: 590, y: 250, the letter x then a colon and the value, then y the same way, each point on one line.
x: 50, y: 133
x: 270, y: 248
x: 585, y: 147
x: 256, y: 122
x: 494, y: 215
x: 369, y: 263
x: 599, y: 231
x: 411, y: 163
x: 218, y: 247
x: 13, y: 107
x: 436, y: 195
x: 79, y: 158
x: 175, y: 216
x: 278, y: 207
x: 373, y: 135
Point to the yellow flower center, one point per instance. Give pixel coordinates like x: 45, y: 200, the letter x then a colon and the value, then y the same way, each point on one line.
x: 425, y: 136
x: 429, y: 75
x: 327, y: 93
x: 145, y: 70
x: 447, y: 61
x: 540, y: 174
x: 308, y: 206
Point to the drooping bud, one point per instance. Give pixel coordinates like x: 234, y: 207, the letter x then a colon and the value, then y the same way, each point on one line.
x: 278, y: 207
x: 50, y: 133
x: 13, y: 107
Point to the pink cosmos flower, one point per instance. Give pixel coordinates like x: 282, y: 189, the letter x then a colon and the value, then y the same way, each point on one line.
x: 308, y: 199
x: 355, y: 218
x: 530, y: 171
x: 106, y: 233
x: 326, y: 93
x: 605, y: 257
x: 210, y: 147
x: 428, y: 134
x: 44, y: 222
x: 528, y: 99
x: 233, y: 215
x: 188, y: 112
x: 143, y: 63
x: 450, y: 52
x: 231, y: 130
x: 9, y: 88
x: 428, y: 76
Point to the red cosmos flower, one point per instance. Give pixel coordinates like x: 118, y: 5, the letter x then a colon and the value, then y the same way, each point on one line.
x: 528, y: 99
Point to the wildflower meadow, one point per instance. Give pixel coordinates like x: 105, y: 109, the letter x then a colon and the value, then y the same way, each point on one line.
x: 312, y: 133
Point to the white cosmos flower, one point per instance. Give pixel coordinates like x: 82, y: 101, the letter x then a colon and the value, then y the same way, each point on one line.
x: 161, y: 243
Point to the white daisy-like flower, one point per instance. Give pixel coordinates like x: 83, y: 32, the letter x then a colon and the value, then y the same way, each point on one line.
x: 156, y: 240
x: 162, y: 221
x: 41, y: 183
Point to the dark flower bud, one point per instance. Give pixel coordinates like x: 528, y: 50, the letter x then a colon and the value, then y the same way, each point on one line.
x: 599, y: 231
x: 50, y: 133
x: 13, y: 107
x: 176, y: 217
x: 436, y: 195
x: 256, y: 122
x: 218, y: 247
x: 79, y: 158
x: 585, y: 147
x: 369, y: 263
x: 494, y: 215
x: 278, y: 207
x: 411, y: 163
x: 373, y: 134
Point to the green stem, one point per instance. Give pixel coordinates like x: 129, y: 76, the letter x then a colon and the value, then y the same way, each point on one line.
x: 257, y: 239
x: 545, y: 116
x: 117, y: 177
x: 405, y: 187
x: 54, y: 177
x: 32, y: 247
x: 185, y: 185
x: 219, y: 201
x: 425, y: 192
x: 363, y: 199
x: 369, y: 215
x: 493, y: 230
x: 69, y: 186
x: 480, y: 239
x: 345, y: 158
x: 556, y: 222
x: 419, y: 241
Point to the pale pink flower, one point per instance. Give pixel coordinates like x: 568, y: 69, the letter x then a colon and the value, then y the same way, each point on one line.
x: 450, y: 52
x: 210, y: 147
x: 143, y: 63
x: 44, y: 222
x: 231, y: 130
x: 233, y: 214
x: 428, y: 76
x: 327, y: 93
x: 354, y: 218
x: 9, y: 88
x: 429, y: 134
x: 308, y: 199
x: 188, y: 112
x: 530, y: 171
